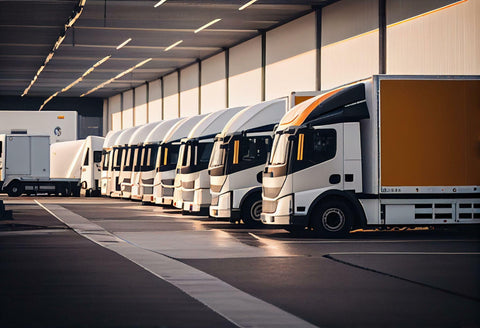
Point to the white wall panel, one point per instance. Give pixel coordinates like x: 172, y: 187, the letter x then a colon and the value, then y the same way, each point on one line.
x: 350, y: 42
x: 189, y: 91
x: 214, y: 84
x: 442, y: 41
x: 141, y: 105
x: 291, y: 58
x: 127, y: 113
x: 171, y: 96
x: 350, y: 60
x: 115, y: 112
x: 245, y: 82
x: 155, y: 101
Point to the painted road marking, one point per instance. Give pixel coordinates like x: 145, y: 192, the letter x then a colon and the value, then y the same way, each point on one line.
x: 238, y: 307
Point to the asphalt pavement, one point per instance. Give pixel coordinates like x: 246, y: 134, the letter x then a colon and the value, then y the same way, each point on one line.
x: 76, y: 262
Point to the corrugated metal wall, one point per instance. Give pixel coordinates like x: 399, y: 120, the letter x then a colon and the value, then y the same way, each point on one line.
x: 421, y: 37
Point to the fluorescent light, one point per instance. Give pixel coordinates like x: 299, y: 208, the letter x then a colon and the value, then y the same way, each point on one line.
x: 100, y: 62
x: 173, y: 45
x: 247, y: 4
x: 49, y: 98
x: 143, y: 62
x: 88, y: 71
x: 208, y: 24
x: 161, y: 2
x: 116, y: 77
x: 124, y: 43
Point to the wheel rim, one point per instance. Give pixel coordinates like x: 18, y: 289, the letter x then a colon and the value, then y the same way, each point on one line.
x: 256, y: 210
x: 333, y: 219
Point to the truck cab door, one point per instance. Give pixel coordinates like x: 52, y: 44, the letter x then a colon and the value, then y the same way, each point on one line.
x: 318, y: 161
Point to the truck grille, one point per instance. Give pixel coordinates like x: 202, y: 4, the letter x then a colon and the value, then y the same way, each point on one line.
x: 147, y: 181
x: 215, y: 188
x: 168, y: 182
x: 168, y: 192
x: 214, y: 201
x: 188, y: 184
x: 148, y: 190
x: 271, y: 192
x: 269, y: 206
x: 187, y: 196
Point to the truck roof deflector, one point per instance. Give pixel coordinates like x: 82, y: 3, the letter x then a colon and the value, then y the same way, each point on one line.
x: 347, y: 105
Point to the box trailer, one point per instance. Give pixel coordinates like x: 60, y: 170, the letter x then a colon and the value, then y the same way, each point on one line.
x: 142, y: 184
x: 192, y: 183
x: 238, y: 159
x: 59, y: 125
x: 25, y: 165
x: 386, y: 151
x: 168, y: 153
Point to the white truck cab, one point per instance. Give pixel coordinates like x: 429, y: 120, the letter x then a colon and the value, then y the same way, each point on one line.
x: 107, y: 160
x: 129, y: 179
x: 121, y: 159
x: 142, y: 188
x: 167, y: 157
x: 91, y: 166
x: 238, y: 159
x: 192, y: 183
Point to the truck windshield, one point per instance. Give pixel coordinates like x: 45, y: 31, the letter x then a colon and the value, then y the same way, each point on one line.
x: 218, y: 154
x: 279, y: 149
x: 168, y: 157
x: 106, y: 156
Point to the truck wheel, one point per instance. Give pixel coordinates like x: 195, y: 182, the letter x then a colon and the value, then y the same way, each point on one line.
x: 251, y: 211
x: 16, y: 189
x: 333, y: 217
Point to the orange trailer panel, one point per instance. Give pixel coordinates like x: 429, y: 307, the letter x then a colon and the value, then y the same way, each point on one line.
x: 430, y: 132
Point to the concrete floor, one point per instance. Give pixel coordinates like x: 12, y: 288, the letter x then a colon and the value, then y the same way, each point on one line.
x: 115, y: 263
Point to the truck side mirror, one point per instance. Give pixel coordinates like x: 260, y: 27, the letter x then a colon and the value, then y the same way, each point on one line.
x: 260, y: 177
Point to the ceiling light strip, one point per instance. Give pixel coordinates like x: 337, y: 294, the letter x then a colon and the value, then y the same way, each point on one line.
x: 247, y: 4
x: 207, y: 25
x: 71, y: 20
x: 124, y: 43
x: 88, y: 71
x: 161, y: 2
x: 173, y: 45
x: 116, y: 77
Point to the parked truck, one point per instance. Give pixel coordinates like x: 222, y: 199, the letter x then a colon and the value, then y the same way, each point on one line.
x: 142, y: 188
x: 28, y: 164
x: 167, y: 158
x: 386, y: 151
x: 238, y: 159
x: 59, y: 125
x: 121, y: 159
x: 192, y: 183
x: 107, y: 160
x: 135, y: 154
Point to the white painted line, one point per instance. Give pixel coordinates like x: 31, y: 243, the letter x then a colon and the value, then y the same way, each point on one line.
x: 405, y: 253
x: 236, y: 306
x: 254, y: 236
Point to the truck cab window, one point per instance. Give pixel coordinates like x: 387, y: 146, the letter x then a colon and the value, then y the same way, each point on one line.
x: 314, y: 147
x: 97, y: 156
x: 86, y: 161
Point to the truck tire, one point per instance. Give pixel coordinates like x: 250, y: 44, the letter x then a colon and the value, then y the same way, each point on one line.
x: 332, y: 217
x: 15, y: 189
x: 251, y: 210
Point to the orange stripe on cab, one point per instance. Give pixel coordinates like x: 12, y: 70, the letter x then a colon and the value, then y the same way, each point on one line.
x: 297, y: 115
